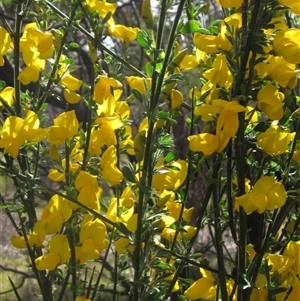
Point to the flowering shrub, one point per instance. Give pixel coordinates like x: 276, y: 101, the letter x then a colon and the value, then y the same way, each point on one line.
x: 126, y: 188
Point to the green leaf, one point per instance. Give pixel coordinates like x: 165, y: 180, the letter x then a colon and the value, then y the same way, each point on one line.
x: 190, y: 27
x: 142, y: 39
x: 72, y: 45
x: 128, y: 174
x: 163, y: 115
x: 107, y: 17
x: 138, y: 95
x: 122, y: 228
x: 176, y: 77
x: 169, y: 157
x: 148, y: 69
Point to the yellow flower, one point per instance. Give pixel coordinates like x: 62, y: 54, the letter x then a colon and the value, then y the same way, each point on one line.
x: 7, y: 95
x: 122, y: 32
x: 275, y: 140
x: 286, y: 44
x: 296, y: 155
x: 292, y: 250
x: 293, y: 4
x: 176, y: 98
x: 29, y: 74
x: 282, y: 72
x: 5, y: 41
x: 36, y: 46
x: 270, y: 101
x: 119, y: 212
x: 102, y: 7
x: 191, y: 61
x: 71, y: 96
x: 92, y: 237
x: 103, y: 88
x: 219, y: 74
x: 138, y: 83
x: 82, y: 298
x: 16, y: 131
x: 89, y: 192
x: 56, y: 212
x: 169, y: 176
x: 109, y: 171
x: 124, y: 245
x: 70, y: 82
x: 36, y: 238
x: 203, y: 288
x: 208, y: 43
x: 206, y: 143
x: 234, y: 22
x: 230, y: 3
x: 267, y: 194
x: 228, y: 122
x: 65, y: 127
x: 59, y: 253
x: 207, y: 112
x: 175, y: 208
x: 59, y: 175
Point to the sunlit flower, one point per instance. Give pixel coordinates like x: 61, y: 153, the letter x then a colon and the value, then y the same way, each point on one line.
x: 16, y: 131
x: 203, y: 288
x: 108, y: 168
x: 7, y: 95
x: 296, y: 154
x: 229, y: 26
x: 270, y: 101
x: 59, y: 253
x: 228, y: 122
x: 204, y: 142
x: 208, y: 43
x: 230, y: 3
x: 122, y: 32
x: 286, y: 44
x: 29, y: 74
x: 169, y: 176
x: 36, y: 47
x: 292, y: 251
x: 219, y: 74
x: 139, y: 83
x: 65, y: 127
x: 36, y: 238
x: 5, y: 41
x: 282, y: 72
x: 92, y: 238
x: 267, y: 194
x: 103, y: 88
x: 293, y: 4
x: 89, y: 191
x: 102, y: 7
x: 191, y: 61
x: 176, y: 98
x: 275, y: 140
x: 55, y: 213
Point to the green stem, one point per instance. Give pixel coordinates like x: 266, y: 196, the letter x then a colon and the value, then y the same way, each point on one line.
x: 229, y: 192
x: 240, y: 165
x: 219, y: 241
x: 17, y: 36
x: 154, y: 100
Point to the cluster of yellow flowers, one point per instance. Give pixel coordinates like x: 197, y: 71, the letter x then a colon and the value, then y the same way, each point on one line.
x: 281, y: 56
